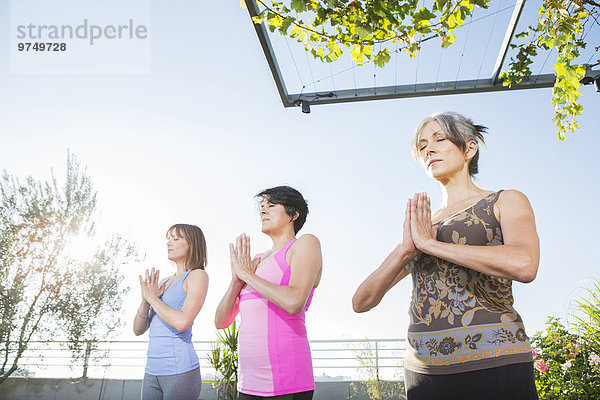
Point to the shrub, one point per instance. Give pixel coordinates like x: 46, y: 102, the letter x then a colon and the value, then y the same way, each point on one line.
x: 567, y: 363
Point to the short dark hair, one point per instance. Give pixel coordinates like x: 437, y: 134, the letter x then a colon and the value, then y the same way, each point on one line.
x: 458, y: 129
x: 196, y: 256
x: 291, y: 200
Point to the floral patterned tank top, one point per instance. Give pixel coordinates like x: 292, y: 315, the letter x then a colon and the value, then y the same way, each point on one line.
x: 460, y: 319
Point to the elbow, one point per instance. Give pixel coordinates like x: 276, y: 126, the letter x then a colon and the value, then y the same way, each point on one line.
x: 137, y: 332
x: 182, y: 326
x: 360, y: 305
x: 358, y: 308
x: 527, y: 271
x: 294, y: 309
x: 219, y: 324
x: 527, y: 276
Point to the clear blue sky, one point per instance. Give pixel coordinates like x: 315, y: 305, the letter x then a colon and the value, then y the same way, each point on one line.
x: 193, y: 140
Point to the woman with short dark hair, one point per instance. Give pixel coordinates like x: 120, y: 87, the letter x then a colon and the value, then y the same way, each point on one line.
x: 272, y: 293
x: 465, y: 339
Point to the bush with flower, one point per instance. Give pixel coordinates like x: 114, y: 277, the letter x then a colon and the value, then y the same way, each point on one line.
x: 567, y: 362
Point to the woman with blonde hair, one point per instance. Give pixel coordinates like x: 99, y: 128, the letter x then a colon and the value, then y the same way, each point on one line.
x: 465, y: 340
x: 168, y: 309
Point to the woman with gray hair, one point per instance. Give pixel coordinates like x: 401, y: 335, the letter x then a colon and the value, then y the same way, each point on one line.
x: 465, y: 340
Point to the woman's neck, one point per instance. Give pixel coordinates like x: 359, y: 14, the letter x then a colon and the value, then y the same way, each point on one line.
x: 180, y: 268
x: 281, y: 238
x: 457, y: 190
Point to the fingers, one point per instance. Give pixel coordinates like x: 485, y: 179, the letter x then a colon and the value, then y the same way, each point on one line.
x: 232, y: 253
x: 246, y: 247
x: 421, y: 207
x: 238, y: 246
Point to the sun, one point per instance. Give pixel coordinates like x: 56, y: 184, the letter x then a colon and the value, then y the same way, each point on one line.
x: 81, y: 247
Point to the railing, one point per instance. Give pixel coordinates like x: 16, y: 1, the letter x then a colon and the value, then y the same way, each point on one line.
x: 333, y: 360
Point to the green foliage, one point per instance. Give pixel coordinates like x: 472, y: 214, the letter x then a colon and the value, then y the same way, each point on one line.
x: 326, y: 27
x: 224, y: 359
x: 322, y: 26
x: 46, y: 290
x: 567, y: 363
x: 562, y: 25
x: 588, y: 317
x: 372, y: 386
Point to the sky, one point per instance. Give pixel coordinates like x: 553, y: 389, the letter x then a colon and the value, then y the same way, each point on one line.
x: 194, y: 128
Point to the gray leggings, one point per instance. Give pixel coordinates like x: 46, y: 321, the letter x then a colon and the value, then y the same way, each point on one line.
x: 184, y: 386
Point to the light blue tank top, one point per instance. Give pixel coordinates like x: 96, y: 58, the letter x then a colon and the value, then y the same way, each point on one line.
x: 171, y: 352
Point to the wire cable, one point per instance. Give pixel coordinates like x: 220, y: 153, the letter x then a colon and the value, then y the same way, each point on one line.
x: 463, y: 52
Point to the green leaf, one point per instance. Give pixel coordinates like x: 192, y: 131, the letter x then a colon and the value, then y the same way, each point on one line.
x: 422, y: 14
x: 447, y: 40
x: 363, y: 32
x: 299, y: 5
x: 382, y: 58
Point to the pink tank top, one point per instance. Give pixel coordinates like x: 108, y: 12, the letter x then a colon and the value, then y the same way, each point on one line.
x: 274, y: 355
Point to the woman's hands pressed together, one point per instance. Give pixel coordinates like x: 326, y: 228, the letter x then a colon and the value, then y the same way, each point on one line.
x: 242, y: 264
x: 421, y: 230
x: 149, y: 284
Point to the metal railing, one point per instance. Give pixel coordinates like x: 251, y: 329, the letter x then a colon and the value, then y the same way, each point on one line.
x: 344, y: 359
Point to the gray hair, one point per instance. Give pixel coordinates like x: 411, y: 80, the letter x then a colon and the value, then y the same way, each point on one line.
x: 458, y: 129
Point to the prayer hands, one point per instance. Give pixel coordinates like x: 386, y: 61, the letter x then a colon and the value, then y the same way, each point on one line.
x: 242, y: 264
x: 422, y: 231
x: 407, y: 241
x: 149, y: 285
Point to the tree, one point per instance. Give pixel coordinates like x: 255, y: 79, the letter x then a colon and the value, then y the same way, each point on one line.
x: 325, y: 27
x: 371, y: 386
x: 46, y: 290
x: 562, y: 25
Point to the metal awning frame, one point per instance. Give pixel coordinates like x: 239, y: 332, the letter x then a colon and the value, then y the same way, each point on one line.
x: 491, y: 84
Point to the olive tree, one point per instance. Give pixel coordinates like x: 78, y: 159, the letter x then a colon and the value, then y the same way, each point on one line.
x: 47, y: 291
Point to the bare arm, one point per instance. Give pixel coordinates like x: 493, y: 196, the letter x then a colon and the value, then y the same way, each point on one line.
x: 517, y: 259
x: 370, y: 293
x: 228, y: 308
x: 305, y: 263
x: 197, y: 286
x: 141, y: 321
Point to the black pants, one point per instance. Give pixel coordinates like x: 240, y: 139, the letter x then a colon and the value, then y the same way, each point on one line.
x: 292, y: 396
x: 510, y: 382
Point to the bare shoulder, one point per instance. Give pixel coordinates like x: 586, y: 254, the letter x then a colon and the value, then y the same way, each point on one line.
x: 512, y: 198
x: 512, y: 203
x: 306, y: 244
x: 197, y: 276
x: 308, y: 239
